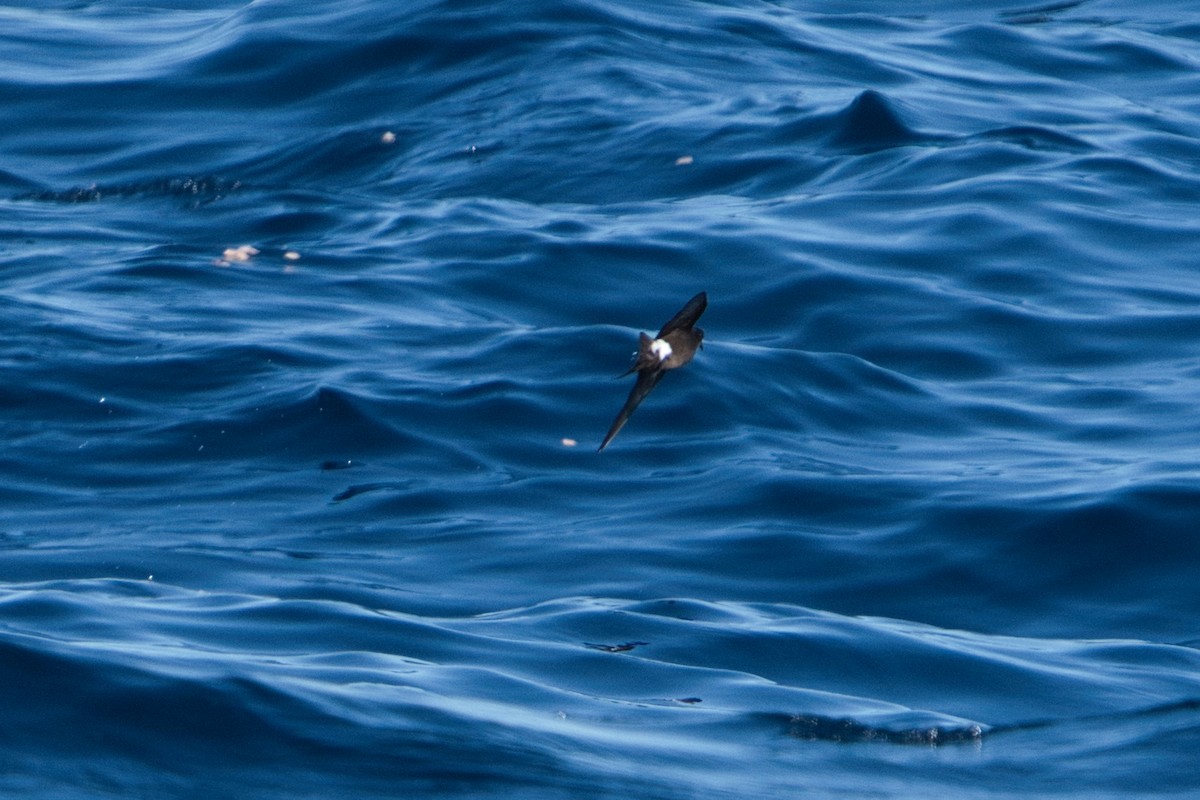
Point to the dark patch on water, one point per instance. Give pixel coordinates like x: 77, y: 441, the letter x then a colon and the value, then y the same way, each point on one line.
x: 848, y: 731
x: 197, y: 191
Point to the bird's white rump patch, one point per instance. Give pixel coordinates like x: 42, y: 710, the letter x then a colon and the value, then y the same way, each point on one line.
x: 661, y: 349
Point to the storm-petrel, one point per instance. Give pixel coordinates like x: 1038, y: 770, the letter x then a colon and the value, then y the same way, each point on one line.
x: 674, y: 346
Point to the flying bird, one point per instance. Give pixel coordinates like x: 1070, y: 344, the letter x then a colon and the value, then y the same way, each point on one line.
x: 674, y: 346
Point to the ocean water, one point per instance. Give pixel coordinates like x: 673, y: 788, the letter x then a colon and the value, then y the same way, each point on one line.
x: 313, y: 315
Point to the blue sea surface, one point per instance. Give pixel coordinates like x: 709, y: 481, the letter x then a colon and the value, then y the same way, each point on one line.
x: 312, y: 319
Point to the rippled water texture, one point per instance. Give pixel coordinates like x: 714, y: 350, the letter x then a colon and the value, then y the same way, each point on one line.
x: 313, y: 319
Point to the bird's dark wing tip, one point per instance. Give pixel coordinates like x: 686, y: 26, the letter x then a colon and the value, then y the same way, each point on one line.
x: 687, y: 315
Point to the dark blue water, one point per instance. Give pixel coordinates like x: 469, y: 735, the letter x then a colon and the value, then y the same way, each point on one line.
x: 304, y: 519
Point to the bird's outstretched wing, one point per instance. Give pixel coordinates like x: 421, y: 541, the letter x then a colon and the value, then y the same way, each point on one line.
x: 687, y: 315
x: 646, y: 381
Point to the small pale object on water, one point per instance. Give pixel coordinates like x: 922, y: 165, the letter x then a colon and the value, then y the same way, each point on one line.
x: 239, y: 254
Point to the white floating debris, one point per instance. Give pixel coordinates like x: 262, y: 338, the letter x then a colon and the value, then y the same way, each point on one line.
x: 388, y: 137
x: 291, y: 255
x: 683, y: 161
x: 238, y: 255
x: 569, y: 442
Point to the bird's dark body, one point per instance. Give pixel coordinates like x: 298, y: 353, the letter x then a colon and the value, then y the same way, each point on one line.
x: 675, y: 345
